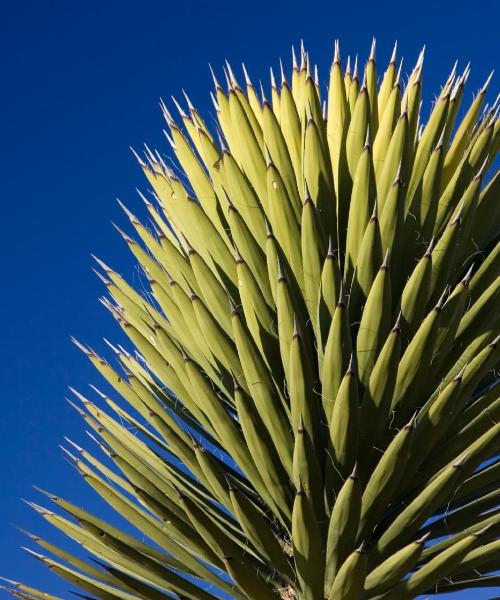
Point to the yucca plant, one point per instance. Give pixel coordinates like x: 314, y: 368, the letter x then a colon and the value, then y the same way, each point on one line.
x: 310, y: 408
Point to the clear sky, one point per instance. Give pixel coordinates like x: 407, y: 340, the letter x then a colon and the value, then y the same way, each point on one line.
x: 80, y: 83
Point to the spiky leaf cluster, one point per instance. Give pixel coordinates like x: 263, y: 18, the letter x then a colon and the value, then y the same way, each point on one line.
x: 310, y: 410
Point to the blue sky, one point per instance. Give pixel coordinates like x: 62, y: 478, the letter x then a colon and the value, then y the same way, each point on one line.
x: 81, y: 83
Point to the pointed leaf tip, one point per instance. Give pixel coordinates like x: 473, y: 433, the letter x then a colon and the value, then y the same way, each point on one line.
x: 179, y: 108
x: 393, y: 55
x: 421, y: 541
x: 397, y: 325
x: 484, y: 89
x: 372, y: 50
x: 336, y: 54
x: 273, y: 79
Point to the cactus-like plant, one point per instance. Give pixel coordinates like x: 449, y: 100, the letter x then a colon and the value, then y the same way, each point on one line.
x: 310, y: 410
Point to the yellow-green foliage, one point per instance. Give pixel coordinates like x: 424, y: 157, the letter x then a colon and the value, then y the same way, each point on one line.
x: 317, y: 348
